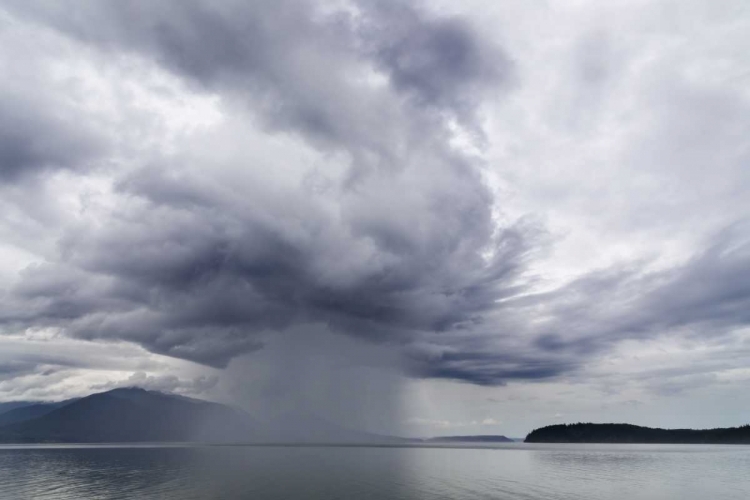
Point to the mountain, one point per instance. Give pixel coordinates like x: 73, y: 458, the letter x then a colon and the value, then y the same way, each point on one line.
x: 12, y: 405
x: 470, y: 439
x: 27, y: 411
x: 133, y: 415
x: 626, y: 433
x: 138, y: 415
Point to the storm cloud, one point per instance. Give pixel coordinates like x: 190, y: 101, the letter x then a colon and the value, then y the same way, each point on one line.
x: 331, y: 186
x: 199, y: 267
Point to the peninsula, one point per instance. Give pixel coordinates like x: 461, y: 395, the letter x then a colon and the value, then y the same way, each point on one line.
x: 483, y: 438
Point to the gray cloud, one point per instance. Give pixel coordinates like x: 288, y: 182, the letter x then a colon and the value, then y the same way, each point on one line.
x: 704, y: 299
x: 706, y: 296
x: 438, y: 62
x: 163, y: 383
x: 293, y: 63
x: 195, y: 284
x: 12, y: 369
x: 32, y: 141
x: 40, y: 131
x: 211, y: 250
x: 489, y: 367
x: 203, y: 273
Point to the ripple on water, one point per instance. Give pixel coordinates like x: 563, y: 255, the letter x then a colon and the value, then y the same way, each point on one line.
x: 228, y: 473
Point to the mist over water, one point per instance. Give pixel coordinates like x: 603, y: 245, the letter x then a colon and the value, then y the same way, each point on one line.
x: 513, y: 472
x: 310, y: 378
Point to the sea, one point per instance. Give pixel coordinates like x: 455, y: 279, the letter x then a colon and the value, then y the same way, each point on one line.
x: 513, y: 471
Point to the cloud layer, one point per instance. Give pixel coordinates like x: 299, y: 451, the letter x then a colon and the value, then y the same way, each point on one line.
x: 196, y: 177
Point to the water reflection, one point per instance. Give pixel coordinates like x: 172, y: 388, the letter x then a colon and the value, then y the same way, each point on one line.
x: 516, y: 472
x: 199, y: 472
x: 62, y: 473
x: 645, y: 471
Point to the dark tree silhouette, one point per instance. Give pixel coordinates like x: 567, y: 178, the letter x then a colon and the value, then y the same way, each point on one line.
x: 626, y: 433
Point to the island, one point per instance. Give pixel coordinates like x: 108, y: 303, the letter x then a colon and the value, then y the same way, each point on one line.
x: 632, y: 434
x: 470, y: 439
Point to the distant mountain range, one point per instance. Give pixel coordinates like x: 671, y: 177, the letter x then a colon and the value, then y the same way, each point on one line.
x: 130, y: 415
x: 626, y: 433
x: 138, y: 415
x: 11, y: 405
x: 27, y: 411
x: 125, y: 415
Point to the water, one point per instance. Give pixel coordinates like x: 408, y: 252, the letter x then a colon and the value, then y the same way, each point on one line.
x: 575, y: 472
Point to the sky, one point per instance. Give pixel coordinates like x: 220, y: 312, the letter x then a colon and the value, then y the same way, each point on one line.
x: 423, y: 218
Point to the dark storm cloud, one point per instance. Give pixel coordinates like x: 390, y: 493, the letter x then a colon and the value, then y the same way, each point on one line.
x: 191, y: 272
x: 489, y: 367
x: 34, y: 139
x: 260, y: 49
x: 200, y: 263
x: 201, y: 286
x: 438, y: 62
x: 294, y: 64
x: 706, y: 299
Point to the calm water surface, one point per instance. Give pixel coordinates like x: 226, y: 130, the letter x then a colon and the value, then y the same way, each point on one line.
x: 575, y: 472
